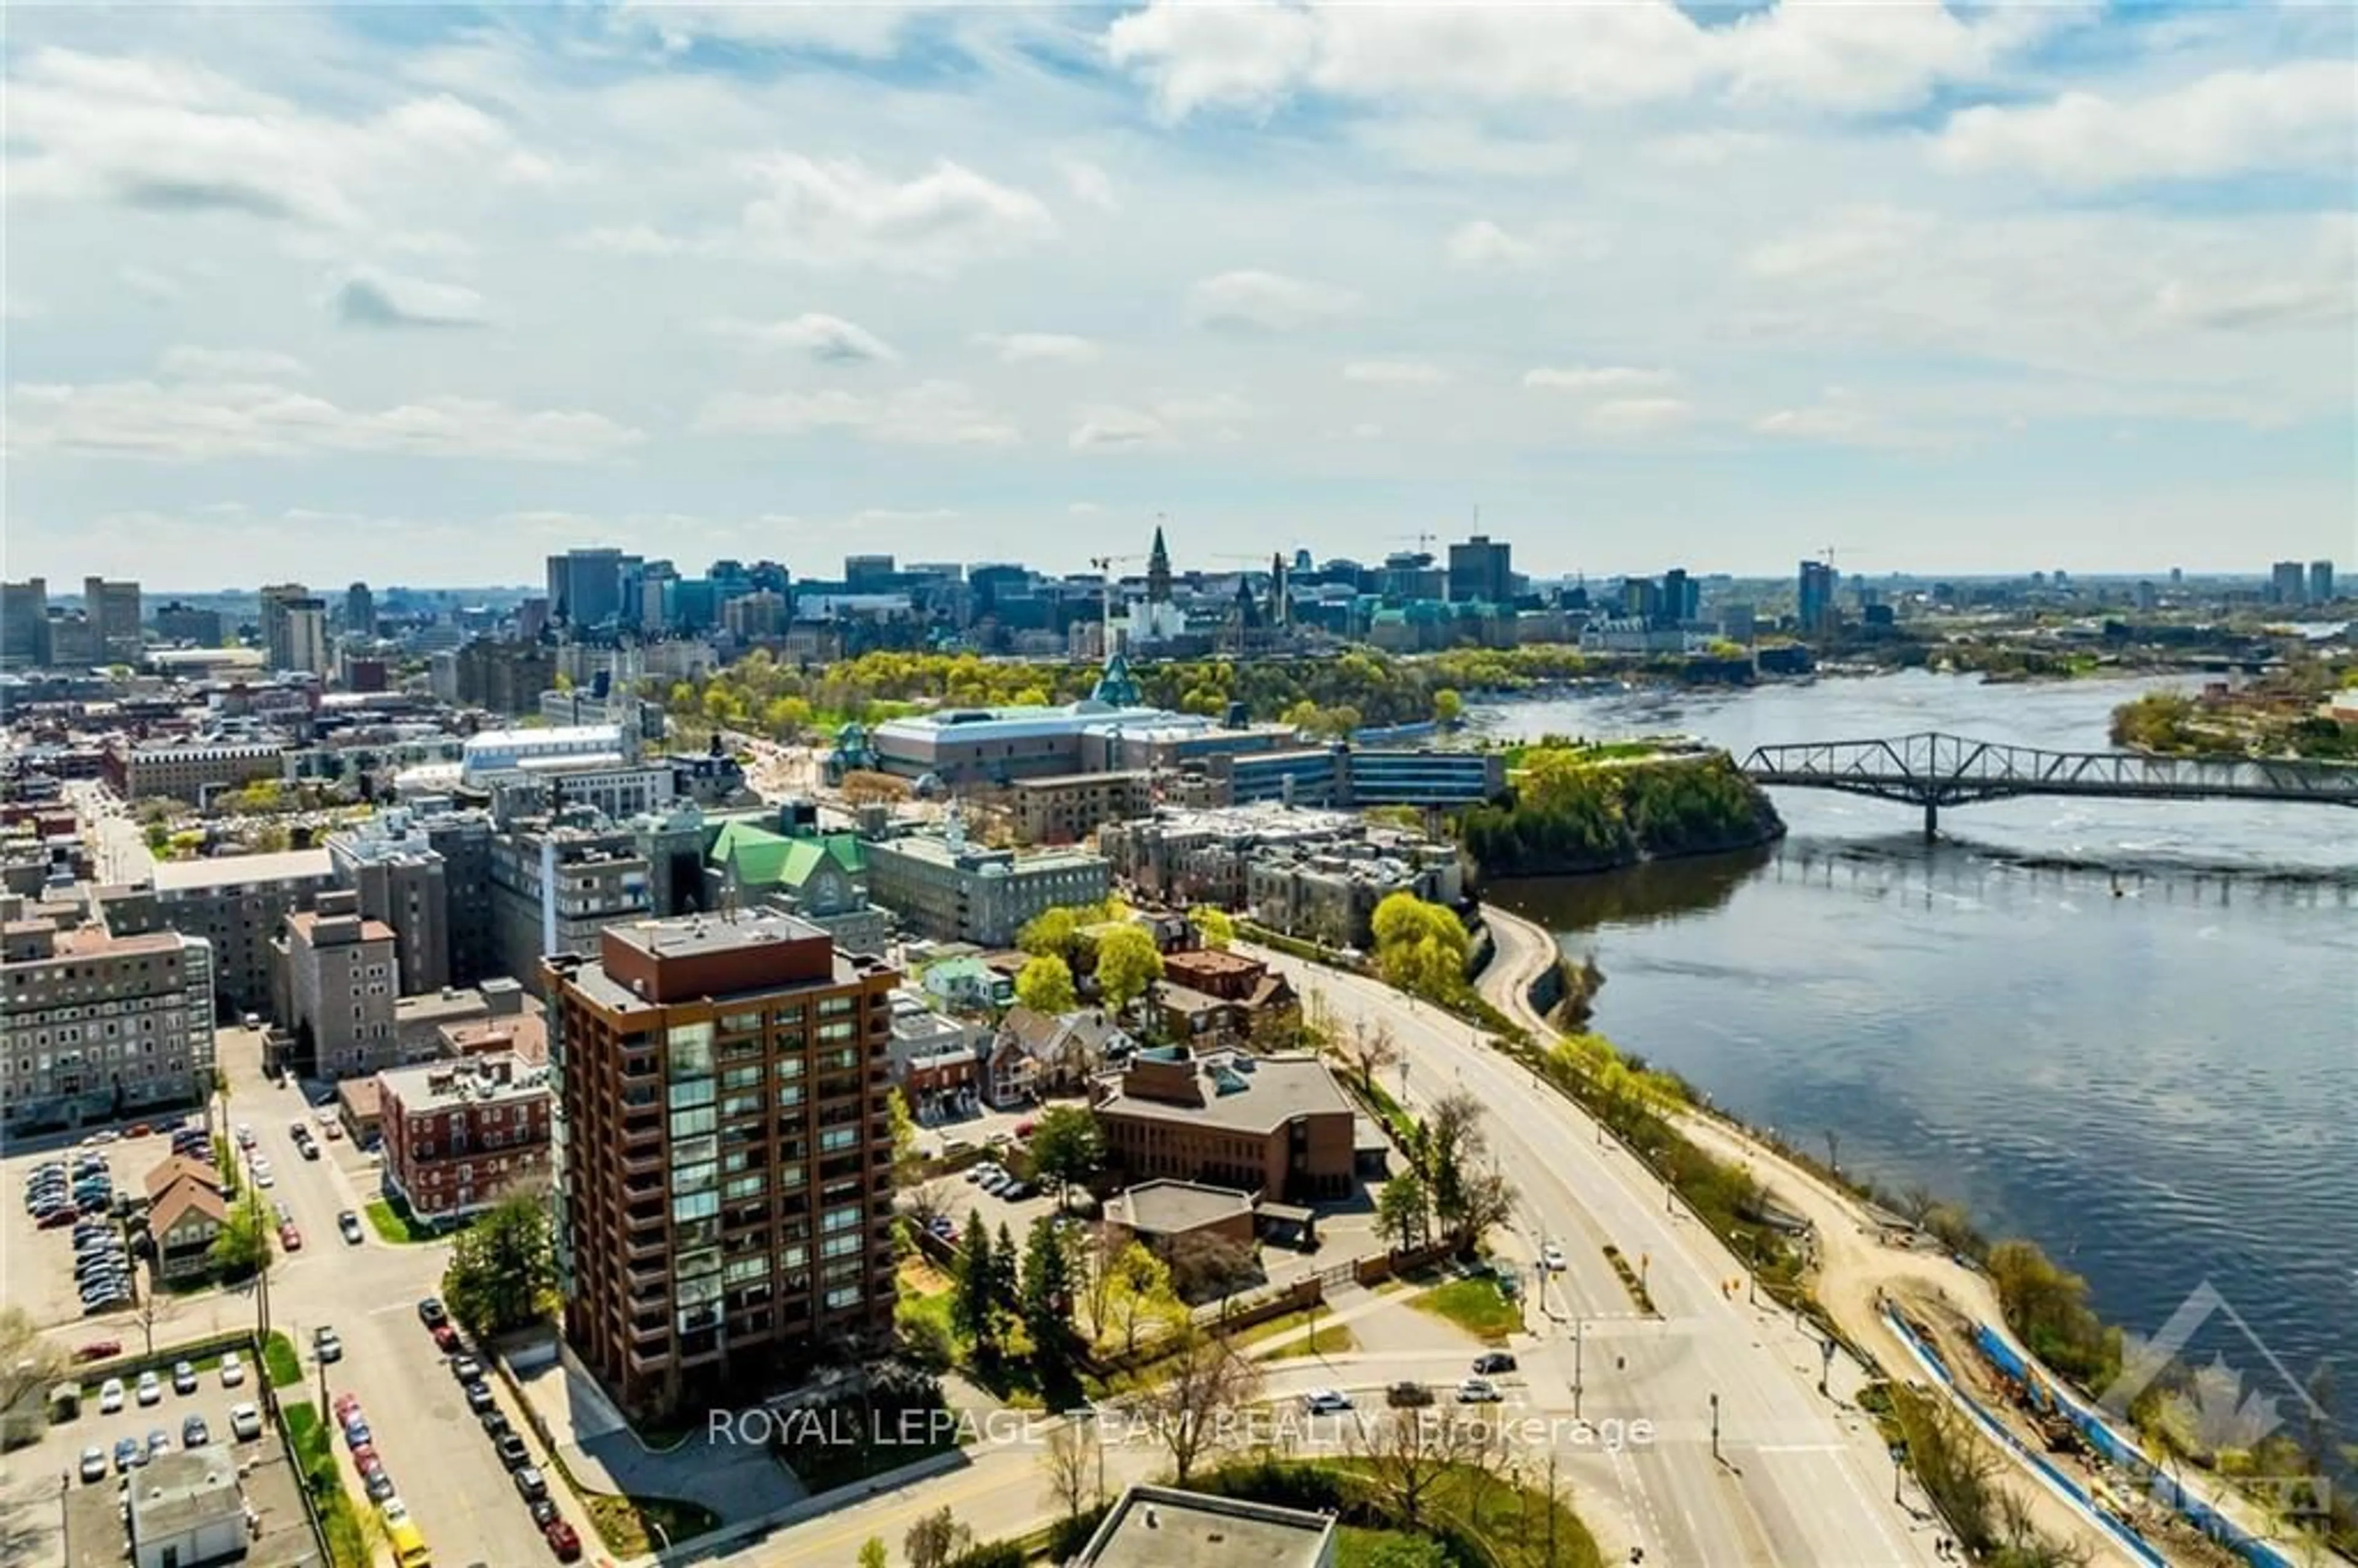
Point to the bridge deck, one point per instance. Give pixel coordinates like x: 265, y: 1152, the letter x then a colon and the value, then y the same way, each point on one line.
x: 1933, y: 770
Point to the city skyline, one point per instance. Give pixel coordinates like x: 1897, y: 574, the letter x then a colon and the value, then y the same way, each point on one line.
x: 420, y: 298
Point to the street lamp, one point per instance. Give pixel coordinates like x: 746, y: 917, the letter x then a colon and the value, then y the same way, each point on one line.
x: 1578, y: 1379
x: 1715, y: 1426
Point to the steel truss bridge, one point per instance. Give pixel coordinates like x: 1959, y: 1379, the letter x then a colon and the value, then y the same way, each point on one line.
x: 1933, y: 770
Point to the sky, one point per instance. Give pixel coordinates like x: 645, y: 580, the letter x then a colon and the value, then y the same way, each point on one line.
x: 420, y: 294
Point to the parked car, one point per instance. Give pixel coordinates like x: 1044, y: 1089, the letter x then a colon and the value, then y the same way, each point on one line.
x: 245, y: 1136
x: 244, y: 1421
x: 110, y: 1396
x: 93, y: 1463
x: 1325, y: 1401
x: 479, y: 1398
x: 530, y: 1483
x: 329, y: 1128
x: 151, y: 1389
x: 326, y: 1345
x: 1494, y: 1361
x: 344, y: 1405
x: 1403, y: 1395
x: 446, y: 1338
x: 306, y: 1148
x: 349, y: 1224
x: 430, y: 1313
x: 544, y: 1512
x: 366, y: 1461
x: 466, y: 1370
x: 511, y: 1451
x: 158, y: 1442
x: 194, y: 1433
x: 290, y: 1238
x: 232, y: 1369
x: 357, y: 1434
x: 495, y: 1424
x: 184, y: 1377
x: 1477, y: 1392
x: 128, y: 1453
x: 379, y: 1485
x: 99, y: 1350
x: 1551, y: 1259
x: 563, y: 1539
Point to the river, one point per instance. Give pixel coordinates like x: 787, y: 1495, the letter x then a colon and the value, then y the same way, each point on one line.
x: 2157, y: 1084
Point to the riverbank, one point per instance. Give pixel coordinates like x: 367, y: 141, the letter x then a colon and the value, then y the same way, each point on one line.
x: 1858, y: 1269
x: 1575, y: 812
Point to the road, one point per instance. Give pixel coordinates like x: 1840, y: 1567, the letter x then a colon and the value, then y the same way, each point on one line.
x: 1792, y: 1477
x: 117, y: 845
x: 1854, y: 1267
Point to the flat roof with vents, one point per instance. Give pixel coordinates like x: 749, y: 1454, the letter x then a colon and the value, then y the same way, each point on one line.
x: 1161, y: 1526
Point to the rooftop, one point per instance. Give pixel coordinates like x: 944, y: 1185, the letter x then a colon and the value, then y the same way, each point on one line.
x: 229, y: 870
x: 1274, y: 1092
x: 496, y: 1079
x: 1171, y: 1209
x: 691, y: 936
x: 1161, y: 1526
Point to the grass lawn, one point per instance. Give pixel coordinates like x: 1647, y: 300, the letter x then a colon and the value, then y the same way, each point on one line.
x: 1475, y: 1306
x: 395, y: 1225
x: 279, y: 1355
x: 1327, y: 1339
x: 633, y: 1527
x: 315, y: 1460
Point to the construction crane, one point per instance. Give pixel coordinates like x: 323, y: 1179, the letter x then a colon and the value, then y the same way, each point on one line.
x: 1105, y: 564
x: 1828, y: 551
x: 1423, y: 541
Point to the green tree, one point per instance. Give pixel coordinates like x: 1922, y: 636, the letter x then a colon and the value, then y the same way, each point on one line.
x: 1420, y: 946
x: 502, y: 1268
x: 871, y: 1552
x: 1213, y: 927
x: 1447, y: 706
x: 1128, y: 963
x: 1068, y: 1147
x: 1006, y: 1271
x: 1047, y: 1293
x: 28, y: 1364
x: 1051, y: 932
x: 1403, y: 1211
x: 1045, y: 984
x: 908, y: 1164
x: 243, y: 1248
x: 973, y: 1309
x: 1139, y: 1293
x: 934, y: 1539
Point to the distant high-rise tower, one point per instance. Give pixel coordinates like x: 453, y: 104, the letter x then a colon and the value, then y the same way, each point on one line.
x: 25, y: 624
x: 2321, y: 582
x: 1814, y: 600
x: 1280, y: 611
x: 2286, y: 585
x: 1158, y: 570
x: 278, y: 648
x: 360, y: 611
x: 115, y: 617
x: 1482, y: 571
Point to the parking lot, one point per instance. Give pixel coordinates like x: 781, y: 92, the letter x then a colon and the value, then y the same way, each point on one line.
x: 41, y: 1262
x: 42, y: 1485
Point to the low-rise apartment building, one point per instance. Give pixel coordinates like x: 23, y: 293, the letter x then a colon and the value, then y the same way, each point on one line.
x: 192, y: 772
x: 461, y: 1134
x: 238, y: 904
x: 94, y: 1027
x: 1068, y: 807
x: 949, y: 889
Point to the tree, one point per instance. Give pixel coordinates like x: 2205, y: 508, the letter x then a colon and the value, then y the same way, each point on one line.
x: 1403, y: 1211
x: 1139, y: 1293
x: 1047, y: 1294
x: 1068, y: 1147
x: 502, y: 1270
x: 1371, y: 1050
x: 1051, y: 933
x: 1045, y: 984
x: 243, y: 1248
x: 1128, y: 963
x: 1074, y: 1463
x: 1006, y: 1271
x: 973, y: 1309
x: 1420, y: 946
x: 1214, y: 929
x: 1206, y: 1266
x: 871, y: 1552
x: 1189, y: 1409
x: 28, y: 1364
x: 1410, y: 1452
x: 1466, y: 1199
x: 908, y: 1164
x: 935, y: 1539
x: 1447, y: 706
x: 926, y: 1201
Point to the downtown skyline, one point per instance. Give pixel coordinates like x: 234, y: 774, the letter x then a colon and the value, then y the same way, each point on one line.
x: 422, y: 296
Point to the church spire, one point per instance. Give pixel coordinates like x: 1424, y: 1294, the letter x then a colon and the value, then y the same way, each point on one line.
x: 1158, y: 570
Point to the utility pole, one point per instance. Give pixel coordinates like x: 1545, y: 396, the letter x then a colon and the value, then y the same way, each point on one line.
x: 1578, y: 1377
x: 1715, y: 1426
x: 1834, y: 1152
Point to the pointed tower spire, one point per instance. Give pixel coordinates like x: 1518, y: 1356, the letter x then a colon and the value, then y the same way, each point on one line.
x: 1158, y: 570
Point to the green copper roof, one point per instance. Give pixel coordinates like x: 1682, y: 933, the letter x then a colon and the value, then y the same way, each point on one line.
x: 763, y: 859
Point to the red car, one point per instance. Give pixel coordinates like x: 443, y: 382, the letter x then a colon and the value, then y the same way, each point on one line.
x: 58, y: 1219
x: 564, y: 1540
x: 446, y: 1336
x: 365, y: 1461
x: 344, y: 1406
x: 99, y: 1350
x: 290, y: 1238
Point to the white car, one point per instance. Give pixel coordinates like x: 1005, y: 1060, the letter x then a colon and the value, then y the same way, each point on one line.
x: 1477, y: 1392
x: 244, y: 1421
x: 262, y: 1177
x: 151, y: 1389
x: 1325, y: 1401
x: 232, y: 1369
x: 1551, y: 1259
x: 110, y: 1396
x: 394, y: 1510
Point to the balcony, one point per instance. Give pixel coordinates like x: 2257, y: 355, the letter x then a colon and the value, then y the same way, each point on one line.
x: 643, y: 1276
x: 645, y: 1246
x: 642, y: 1129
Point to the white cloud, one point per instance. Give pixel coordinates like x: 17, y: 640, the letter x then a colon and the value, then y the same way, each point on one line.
x: 1484, y: 243
x: 200, y: 420
x: 1113, y: 429
x: 1090, y: 185
x: 2302, y: 115
x: 1395, y: 372
x: 843, y: 214
x: 1635, y: 416
x: 154, y: 287
x: 370, y: 297
x: 1847, y: 241
x: 1254, y: 57
x: 830, y: 339
x: 186, y: 363
x: 1595, y: 378
x: 870, y: 30
x: 1084, y: 509
x: 1252, y: 301
x: 929, y: 414
x: 176, y: 139
x: 1839, y: 416
x: 1038, y: 348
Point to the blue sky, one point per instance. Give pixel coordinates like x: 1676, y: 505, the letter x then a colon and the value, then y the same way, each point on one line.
x: 421, y: 295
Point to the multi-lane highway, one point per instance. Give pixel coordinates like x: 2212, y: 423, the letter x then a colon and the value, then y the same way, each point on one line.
x: 1747, y: 1463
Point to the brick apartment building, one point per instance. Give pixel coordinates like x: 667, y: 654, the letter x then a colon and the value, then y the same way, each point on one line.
x: 1278, y: 1126
x: 94, y: 1027
x: 1070, y: 806
x: 338, y: 978
x: 460, y: 1135
x: 721, y: 1155
x: 1206, y: 995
